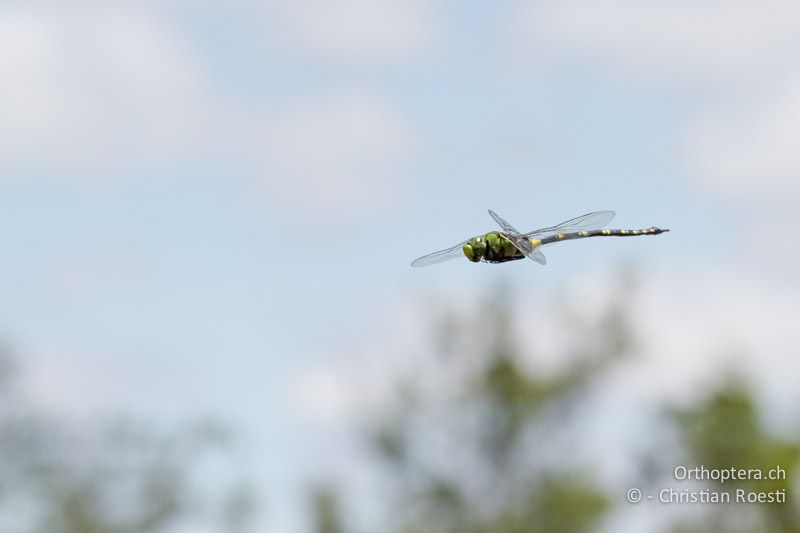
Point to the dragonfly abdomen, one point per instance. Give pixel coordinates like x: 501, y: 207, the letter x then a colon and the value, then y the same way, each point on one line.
x: 597, y: 233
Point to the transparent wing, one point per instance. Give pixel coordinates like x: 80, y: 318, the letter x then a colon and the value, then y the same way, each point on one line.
x: 538, y: 256
x: 589, y: 221
x: 508, y: 228
x: 520, y: 241
x: 440, y: 256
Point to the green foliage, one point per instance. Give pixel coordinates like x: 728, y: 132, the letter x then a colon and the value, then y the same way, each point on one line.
x: 325, y: 508
x: 480, y: 457
x: 726, y: 431
x: 568, y: 505
x: 112, y: 476
x: 476, y: 443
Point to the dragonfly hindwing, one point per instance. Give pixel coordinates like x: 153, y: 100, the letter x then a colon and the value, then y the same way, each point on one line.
x: 520, y: 241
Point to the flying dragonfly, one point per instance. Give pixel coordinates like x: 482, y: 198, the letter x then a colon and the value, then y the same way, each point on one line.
x: 510, y: 244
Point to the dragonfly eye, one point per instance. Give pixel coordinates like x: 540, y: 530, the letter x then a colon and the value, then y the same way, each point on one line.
x: 468, y: 251
x: 475, y: 250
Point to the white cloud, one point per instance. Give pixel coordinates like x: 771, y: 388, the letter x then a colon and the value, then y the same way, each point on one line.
x: 705, y: 318
x: 361, y: 31
x: 85, y: 87
x: 749, y: 148
x: 322, y: 395
x: 93, y: 91
x: 736, y: 58
x: 86, y: 383
x: 335, y: 155
x: 83, y: 275
x: 674, y: 42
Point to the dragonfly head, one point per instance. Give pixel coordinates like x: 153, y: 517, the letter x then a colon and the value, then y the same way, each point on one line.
x: 475, y: 249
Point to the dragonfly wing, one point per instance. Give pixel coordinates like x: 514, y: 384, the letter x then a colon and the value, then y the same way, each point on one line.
x: 589, y: 221
x: 520, y: 241
x: 508, y: 228
x: 440, y: 256
x: 537, y: 256
x: 524, y: 245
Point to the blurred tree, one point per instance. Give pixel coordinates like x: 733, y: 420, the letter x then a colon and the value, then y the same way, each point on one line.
x: 480, y: 437
x: 118, y: 476
x: 483, y: 440
x: 723, y: 432
x: 325, y: 508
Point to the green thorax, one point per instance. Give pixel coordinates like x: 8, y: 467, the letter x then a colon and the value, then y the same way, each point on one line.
x: 492, y: 248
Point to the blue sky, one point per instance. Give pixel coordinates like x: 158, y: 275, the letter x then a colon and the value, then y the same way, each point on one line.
x: 205, y: 204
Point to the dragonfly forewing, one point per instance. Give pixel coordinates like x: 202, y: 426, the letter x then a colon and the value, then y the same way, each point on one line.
x: 440, y: 256
x: 522, y: 242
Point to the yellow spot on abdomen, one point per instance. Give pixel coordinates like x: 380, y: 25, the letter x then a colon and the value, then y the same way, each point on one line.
x: 606, y: 232
x: 536, y: 242
x: 584, y: 233
x: 560, y: 235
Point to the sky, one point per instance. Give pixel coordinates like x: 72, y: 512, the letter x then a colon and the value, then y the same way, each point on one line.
x: 211, y: 207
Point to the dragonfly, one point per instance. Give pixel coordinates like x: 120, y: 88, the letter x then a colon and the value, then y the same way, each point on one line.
x: 511, y: 245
